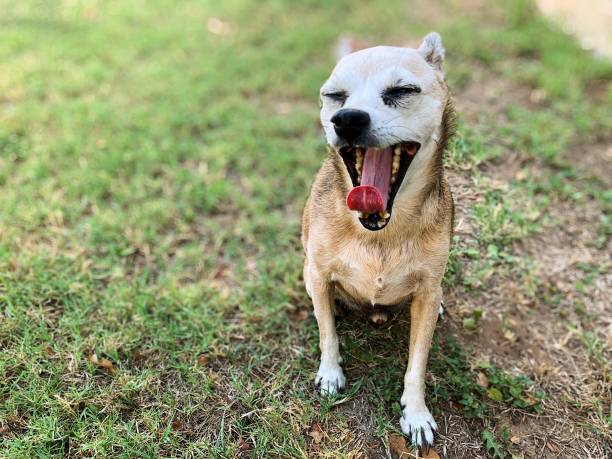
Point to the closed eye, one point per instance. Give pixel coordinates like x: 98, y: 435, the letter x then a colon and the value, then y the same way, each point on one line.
x: 336, y: 96
x: 393, y: 95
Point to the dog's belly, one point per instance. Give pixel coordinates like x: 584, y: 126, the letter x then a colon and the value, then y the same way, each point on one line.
x: 360, y: 306
x: 370, y: 285
x: 366, y: 279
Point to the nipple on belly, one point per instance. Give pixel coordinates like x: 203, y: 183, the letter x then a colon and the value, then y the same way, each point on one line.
x: 379, y: 318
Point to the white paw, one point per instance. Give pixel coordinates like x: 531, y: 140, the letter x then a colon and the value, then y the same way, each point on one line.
x: 419, y: 426
x: 330, y: 379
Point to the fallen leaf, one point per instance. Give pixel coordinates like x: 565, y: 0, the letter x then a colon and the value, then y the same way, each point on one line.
x: 177, y: 424
x: 243, y: 445
x: 431, y: 454
x: 554, y: 448
x: 103, y: 363
x: 529, y: 400
x: 482, y: 380
x: 203, y: 359
x: 4, y: 429
x: 316, y: 433
x: 223, y: 270
x: 398, y: 447
x: 516, y: 439
x: 107, y: 365
x: 301, y: 314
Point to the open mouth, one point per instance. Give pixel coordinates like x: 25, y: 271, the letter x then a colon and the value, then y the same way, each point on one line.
x: 377, y: 174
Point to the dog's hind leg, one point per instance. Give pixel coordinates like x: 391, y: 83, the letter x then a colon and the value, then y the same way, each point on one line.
x: 330, y: 377
x: 416, y: 421
x: 442, y: 311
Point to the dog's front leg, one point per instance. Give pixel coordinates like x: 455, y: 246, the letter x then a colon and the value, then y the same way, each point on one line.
x: 330, y: 376
x: 416, y: 421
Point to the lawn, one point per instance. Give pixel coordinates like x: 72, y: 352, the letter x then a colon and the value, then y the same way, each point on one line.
x: 154, y: 161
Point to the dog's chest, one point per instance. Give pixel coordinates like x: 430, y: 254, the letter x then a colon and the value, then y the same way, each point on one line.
x: 375, y: 275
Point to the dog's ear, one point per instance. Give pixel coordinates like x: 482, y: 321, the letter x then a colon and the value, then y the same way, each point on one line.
x: 432, y: 50
x: 348, y: 44
x: 344, y: 46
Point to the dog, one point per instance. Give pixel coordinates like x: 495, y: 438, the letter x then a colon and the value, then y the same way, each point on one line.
x: 378, y: 224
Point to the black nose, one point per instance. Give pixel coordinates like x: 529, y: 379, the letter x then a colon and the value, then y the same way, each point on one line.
x: 350, y: 123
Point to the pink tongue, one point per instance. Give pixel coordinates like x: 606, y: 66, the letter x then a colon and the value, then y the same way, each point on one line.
x: 372, y: 195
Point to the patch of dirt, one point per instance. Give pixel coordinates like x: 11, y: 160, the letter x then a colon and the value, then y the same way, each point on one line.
x: 594, y: 159
x: 486, y: 95
x: 540, y: 334
x: 458, y: 439
x: 464, y: 197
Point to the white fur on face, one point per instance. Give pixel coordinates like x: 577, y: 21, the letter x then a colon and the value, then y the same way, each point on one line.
x: 364, y: 76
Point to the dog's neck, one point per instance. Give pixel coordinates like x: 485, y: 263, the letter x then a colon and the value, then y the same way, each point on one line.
x: 423, y: 172
x: 415, y: 201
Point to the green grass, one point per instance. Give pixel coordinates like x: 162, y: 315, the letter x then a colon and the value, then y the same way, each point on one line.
x: 152, y: 176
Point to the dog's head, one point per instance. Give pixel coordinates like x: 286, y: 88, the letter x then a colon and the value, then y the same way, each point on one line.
x: 381, y: 108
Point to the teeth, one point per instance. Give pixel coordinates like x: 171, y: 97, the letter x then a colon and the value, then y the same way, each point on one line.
x: 363, y: 215
x: 385, y: 214
x: 358, y: 162
x: 396, y: 163
x: 381, y: 223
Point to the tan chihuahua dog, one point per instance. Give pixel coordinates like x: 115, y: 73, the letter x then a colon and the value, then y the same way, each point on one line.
x: 378, y: 223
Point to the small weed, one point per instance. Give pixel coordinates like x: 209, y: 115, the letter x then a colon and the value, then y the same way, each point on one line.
x: 471, y: 322
x: 492, y: 445
x: 458, y: 382
x: 595, y: 347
